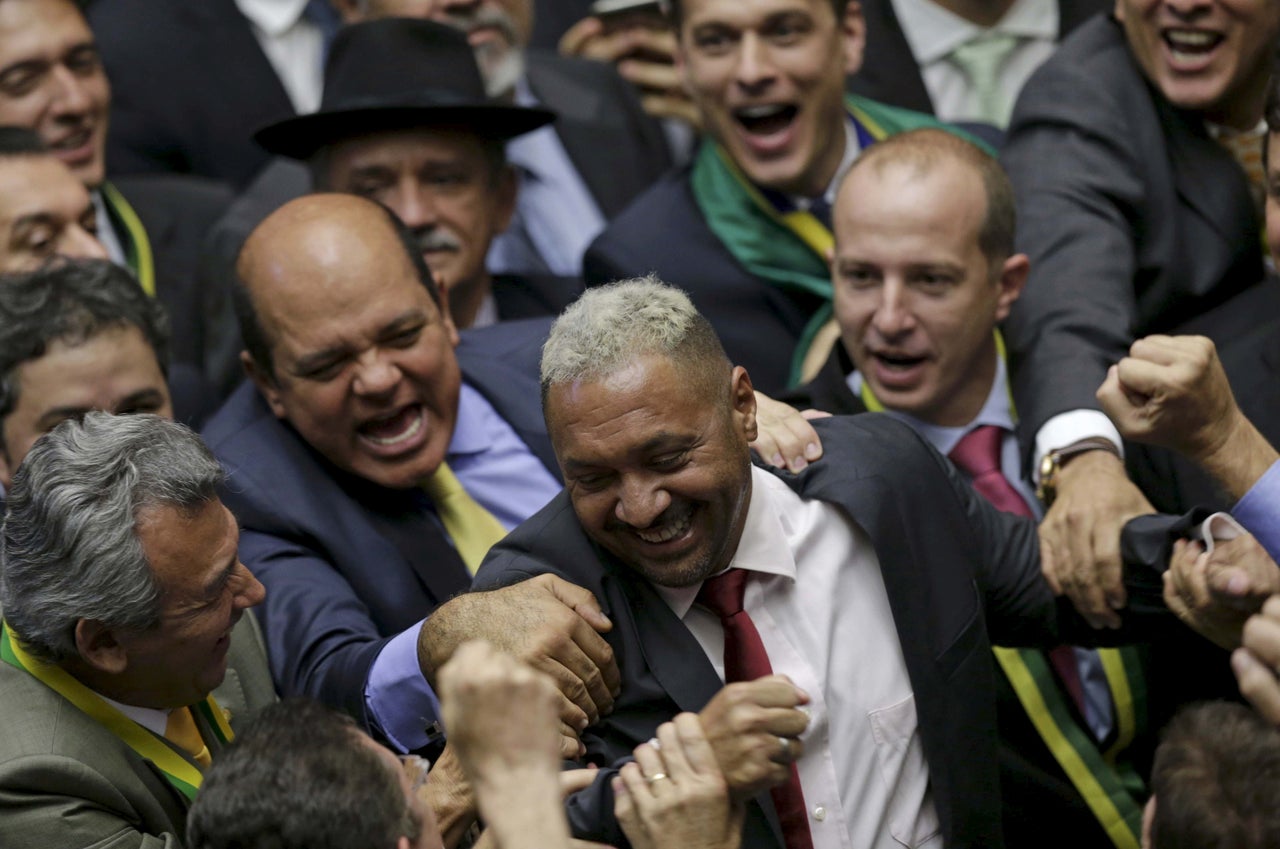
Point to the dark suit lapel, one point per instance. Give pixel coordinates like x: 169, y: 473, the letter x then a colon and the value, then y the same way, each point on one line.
x: 405, y: 520
x: 889, y: 71
x: 1225, y: 204
x: 247, y: 68
x: 1072, y: 13
x: 574, y: 105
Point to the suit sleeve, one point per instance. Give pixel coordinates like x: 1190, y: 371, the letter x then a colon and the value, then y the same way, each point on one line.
x: 40, y: 810
x: 1072, y: 163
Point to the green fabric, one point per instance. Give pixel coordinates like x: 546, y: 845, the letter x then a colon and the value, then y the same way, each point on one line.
x: 755, y: 234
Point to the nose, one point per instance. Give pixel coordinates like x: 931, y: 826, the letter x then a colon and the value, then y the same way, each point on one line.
x: 79, y: 243
x: 250, y: 591
x: 413, y: 204
x: 641, y: 501
x: 755, y: 63
x: 1188, y: 9
x: 69, y: 95
x: 893, y: 316
x: 376, y: 375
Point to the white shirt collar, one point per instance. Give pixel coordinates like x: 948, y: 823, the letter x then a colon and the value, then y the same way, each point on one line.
x: 851, y: 151
x: 274, y: 17
x: 763, y: 547
x: 932, y: 32
x: 154, y: 720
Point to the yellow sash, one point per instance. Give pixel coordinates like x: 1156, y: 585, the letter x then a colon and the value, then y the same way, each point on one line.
x: 137, y: 245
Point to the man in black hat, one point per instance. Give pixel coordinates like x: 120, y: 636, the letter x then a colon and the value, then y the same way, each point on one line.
x: 405, y: 120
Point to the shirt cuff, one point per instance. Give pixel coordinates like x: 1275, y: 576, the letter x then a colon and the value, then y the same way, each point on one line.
x: 399, y: 700
x: 1069, y: 428
x: 1259, y: 511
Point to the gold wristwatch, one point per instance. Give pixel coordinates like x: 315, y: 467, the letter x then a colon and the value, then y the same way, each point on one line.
x: 1051, y: 464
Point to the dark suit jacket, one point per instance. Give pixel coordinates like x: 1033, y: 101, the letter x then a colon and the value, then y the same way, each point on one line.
x: 189, y: 86
x: 758, y: 324
x: 347, y: 564
x: 889, y: 71
x: 617, y: 148
x: 177, y: 213
x: 972, y: 578
x: 1133, y: 217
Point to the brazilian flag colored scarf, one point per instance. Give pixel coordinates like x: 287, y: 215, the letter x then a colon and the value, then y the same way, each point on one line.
x: 133, y: 237
x: 1104, y: 779
x: 786, y: 248
x: 181, y: 772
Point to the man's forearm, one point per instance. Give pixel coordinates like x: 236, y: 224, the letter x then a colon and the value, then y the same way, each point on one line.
x: 1239, y: 459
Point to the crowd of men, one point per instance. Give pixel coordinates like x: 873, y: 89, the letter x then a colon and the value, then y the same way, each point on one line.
x: 780, y: 424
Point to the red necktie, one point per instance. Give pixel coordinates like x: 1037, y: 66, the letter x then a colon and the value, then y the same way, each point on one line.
x: 746, y: 660
x: 977, y: 454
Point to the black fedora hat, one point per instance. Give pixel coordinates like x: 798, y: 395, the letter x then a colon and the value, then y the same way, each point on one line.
x: 398, y: 73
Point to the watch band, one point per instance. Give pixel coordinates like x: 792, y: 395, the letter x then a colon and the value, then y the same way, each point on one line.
x: 1051, y: 464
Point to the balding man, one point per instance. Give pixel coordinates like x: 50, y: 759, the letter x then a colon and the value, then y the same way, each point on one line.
x: 372, y: 467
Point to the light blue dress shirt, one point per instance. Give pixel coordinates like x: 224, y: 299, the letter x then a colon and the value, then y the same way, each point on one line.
x: 1259, y: 511
x: 499, y: 471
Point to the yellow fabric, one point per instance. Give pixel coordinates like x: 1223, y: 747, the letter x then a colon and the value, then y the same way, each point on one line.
x: 1246, y: 148
x: 472, y: 528
x: 181, y: 730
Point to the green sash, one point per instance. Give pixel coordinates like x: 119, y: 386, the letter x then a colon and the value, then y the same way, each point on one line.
x: 784, y: 249
x: 182, y: 773
x: 1108, y: 783
x: 137, y: 247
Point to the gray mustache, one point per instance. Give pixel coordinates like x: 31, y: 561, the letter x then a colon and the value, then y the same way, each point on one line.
x: 436, y: 240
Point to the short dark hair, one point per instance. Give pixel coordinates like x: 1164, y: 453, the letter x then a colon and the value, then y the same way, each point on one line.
x: 251, y: 330
x: 298, y: 777
x: 675, y: 12
x: 21, y: 141
x: 925, y: 147
x: 1216, y: 780
x: 71, y: 301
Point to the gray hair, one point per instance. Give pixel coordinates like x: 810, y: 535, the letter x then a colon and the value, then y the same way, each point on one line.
x: 68, y: 547
x: 607, y: 328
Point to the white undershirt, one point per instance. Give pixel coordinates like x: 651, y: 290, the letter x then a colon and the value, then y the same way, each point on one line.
x: 818, y: 600
x: 154, y: 720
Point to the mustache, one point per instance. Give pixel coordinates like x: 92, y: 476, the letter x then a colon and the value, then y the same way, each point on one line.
x: 482, y: 16
x: 436, y: 239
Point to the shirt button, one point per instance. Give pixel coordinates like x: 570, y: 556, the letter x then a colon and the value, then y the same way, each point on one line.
x: 819, y: 813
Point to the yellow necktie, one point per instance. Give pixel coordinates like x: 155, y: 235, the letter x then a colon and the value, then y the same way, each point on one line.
x: 1246, y: 148
x: 182, y: 731
x: 472, y: 528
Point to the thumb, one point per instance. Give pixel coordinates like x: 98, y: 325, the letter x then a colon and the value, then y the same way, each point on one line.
x: 581, y: 601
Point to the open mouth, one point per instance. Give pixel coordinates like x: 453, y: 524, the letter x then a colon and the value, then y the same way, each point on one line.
x: 74, y: 144
x: 898, y: 362
x: 1191, y: 43
x: 673, y: 524
x: 396, y: 429
x: 765, y: 120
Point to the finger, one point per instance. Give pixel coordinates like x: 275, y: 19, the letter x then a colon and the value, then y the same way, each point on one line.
x: 677, y: 765
x: 571, y: 748
x: 780, y: 722
x: 1077, y: 572
x: 671, y: 106
x: 580, y: 600
x: 624, y: 807
x: 815, y: 414
x: 772, y: 691
x: 653, y: 76
x: 574, y: 704
x: 768, y: 450
x: 1258, y: 684
x: 789, y: 751
x: 576, y: 37
x: 695, y: 746
x: 1262, y: 636
x: 1048, y: 564
x: 637, y: 787
x: 573, y: 780
x: 653, y: 765
x: 1176, y: 604
x: 1109, y: 566
x: 1144, y: 377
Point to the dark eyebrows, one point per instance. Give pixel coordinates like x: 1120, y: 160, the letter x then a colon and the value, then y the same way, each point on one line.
x: 322, y: 358
x: 26, y: 223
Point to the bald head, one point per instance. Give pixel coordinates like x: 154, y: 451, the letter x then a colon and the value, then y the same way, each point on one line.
x: 310, y: 242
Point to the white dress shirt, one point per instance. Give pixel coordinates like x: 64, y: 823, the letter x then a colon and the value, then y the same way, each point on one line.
x: 817, y: 598
x: 933, y: 32
x: 293, y: 45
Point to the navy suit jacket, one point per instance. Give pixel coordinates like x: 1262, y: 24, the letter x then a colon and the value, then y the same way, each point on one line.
x: 348, y: 564
x: 966, y: 578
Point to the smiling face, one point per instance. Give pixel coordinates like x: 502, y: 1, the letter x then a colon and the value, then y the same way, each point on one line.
x: 915, y: 297
x: 204, y: 590
x: 362, y: 355
x: 114, y: 371
x: 44, y: 212
x: 1205, y: 55
x: 444, y: 188
x: 768, y: 77
x: 657, y: 467
x: 51, y: 81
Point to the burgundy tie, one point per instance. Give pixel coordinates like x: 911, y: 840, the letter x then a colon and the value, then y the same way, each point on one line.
x: 746, y: 660
x: 978, y: 456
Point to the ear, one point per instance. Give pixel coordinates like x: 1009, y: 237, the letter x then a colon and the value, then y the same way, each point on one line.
x: 504, y: 200
x: 1118, y: 11
x: 266, y: 384
x: 1148, y: 819
x: 744, y: 403
x: 99, y: 648
x: 445, y: 315
x: 854, y: 30
x: 1013, y: 278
